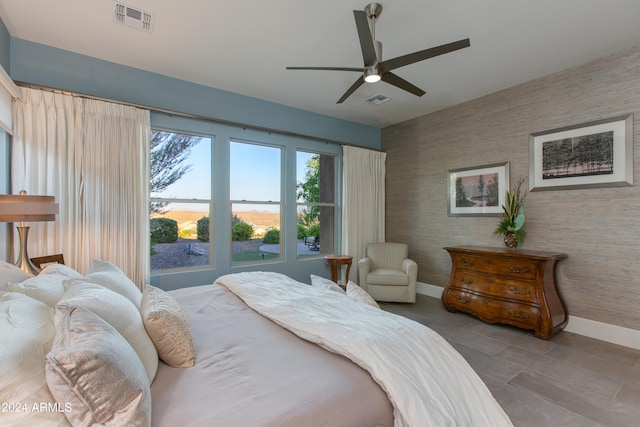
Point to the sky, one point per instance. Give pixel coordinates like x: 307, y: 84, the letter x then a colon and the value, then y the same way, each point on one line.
x: 251, y: 166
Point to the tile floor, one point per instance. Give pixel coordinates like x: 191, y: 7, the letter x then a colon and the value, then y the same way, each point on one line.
x: 570, y: 380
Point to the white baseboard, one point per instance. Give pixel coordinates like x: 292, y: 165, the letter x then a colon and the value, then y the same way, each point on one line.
x: 589, y: 328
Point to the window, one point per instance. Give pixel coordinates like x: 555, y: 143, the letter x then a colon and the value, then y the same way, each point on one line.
x: 256, y: 209
x: 181, y: 202
x: 316, y: 203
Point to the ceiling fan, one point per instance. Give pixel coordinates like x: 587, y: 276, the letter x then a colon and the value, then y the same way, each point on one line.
x: 375, y: 69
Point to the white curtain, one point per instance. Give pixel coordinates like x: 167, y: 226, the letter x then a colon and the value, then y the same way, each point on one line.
x: 93, y: 156
x: 363, y: 197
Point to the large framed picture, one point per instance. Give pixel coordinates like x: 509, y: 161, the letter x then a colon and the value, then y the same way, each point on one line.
x: 596, y: 154
x: 478, y: 190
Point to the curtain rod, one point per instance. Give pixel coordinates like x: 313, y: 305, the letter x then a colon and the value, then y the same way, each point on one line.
x: 186, y: 115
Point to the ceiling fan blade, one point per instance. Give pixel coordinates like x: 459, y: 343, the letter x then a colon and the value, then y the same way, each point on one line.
x: 397, y: 81
x: 401, y: 61
x: 366, y: 39
x: 352, y: 89
x: 360, y: 70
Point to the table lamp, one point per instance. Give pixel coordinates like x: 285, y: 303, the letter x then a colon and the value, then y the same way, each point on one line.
x: 23, y: 208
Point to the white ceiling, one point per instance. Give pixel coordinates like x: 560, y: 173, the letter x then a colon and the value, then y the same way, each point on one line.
x: 243, y: 46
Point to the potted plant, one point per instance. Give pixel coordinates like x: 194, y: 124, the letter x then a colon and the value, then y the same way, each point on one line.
x: 512, y: 223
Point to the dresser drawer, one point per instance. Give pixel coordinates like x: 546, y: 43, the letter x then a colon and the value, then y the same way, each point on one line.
x: 496, y: 286
x: 510, y: 267
x: 492, y: 310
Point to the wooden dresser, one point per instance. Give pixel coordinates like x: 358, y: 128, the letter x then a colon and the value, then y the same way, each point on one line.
x: 502, y: 286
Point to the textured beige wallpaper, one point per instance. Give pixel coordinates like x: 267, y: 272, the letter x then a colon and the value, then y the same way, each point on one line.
x: 599, y: 229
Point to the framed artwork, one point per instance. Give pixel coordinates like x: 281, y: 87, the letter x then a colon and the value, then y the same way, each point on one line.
x: 43, y: 261
x: 478, y: 190
x: 596, y: 154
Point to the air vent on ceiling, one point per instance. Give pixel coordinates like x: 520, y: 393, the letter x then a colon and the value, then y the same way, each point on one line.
x: 378, y: 99
x: 136, y: 18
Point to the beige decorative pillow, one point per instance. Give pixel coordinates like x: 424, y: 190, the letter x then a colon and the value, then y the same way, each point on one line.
x: 94, y: 372
x: 168, y: 326
x: 357, y: 293
x: 325, y: 283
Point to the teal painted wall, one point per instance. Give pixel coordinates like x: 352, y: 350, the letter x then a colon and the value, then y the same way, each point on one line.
x: 5, y: 40
x: 47, y: 66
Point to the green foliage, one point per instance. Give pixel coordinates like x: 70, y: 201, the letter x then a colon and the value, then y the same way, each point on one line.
x: 301, y: 231
x: 241, y: 231
x: 272, y: 236
x: 202, y: 229
x: 314, y: 230
x: 152, y: 250
x: 309, y: 190
x: 513, y: 213
x: 164, y: 230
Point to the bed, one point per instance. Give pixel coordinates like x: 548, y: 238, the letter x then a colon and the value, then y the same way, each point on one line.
x: 251, y: 349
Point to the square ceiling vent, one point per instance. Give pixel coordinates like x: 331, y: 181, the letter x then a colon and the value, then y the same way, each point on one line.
x: 378, y: 99
x: 133, y: 17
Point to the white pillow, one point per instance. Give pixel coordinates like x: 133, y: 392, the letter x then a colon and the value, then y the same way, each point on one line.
x: 62, y: 270
x: 357, y: 293
x: 26, y: 335
x: 93, y: 369
x: 11, y: 273
x: 168, y: 326
x: 47, y: 288
x: 325, y: 283
x: 108, y: 275
x: 116, y: 310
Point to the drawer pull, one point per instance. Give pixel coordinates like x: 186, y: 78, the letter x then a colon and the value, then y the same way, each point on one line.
x: 520, y: 316
x: 466, y: 263
x: 462, y: 300
x: 515, y: 291
x: 515, y: 269
x: 467, y: 281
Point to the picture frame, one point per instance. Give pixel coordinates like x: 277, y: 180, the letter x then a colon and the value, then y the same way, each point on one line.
x: 589, y: 155
x: 43, y: 261
x: 478, y: 191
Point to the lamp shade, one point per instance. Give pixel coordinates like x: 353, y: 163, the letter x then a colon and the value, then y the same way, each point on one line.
x: 25, y: 208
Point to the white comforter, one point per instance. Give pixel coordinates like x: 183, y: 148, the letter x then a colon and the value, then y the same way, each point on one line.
x: 427, y: 381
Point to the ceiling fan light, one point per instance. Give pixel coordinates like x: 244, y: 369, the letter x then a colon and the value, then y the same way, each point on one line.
x: 371, y: 75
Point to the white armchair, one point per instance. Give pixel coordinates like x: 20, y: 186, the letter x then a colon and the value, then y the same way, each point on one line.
x: 387, y: 273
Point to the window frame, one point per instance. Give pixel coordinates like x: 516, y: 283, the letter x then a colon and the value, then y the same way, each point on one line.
x: 210, y: 202
x: 333, y: 204
x: 281, y: 203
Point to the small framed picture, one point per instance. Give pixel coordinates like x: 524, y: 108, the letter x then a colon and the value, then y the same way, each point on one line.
x: 589, y: 155
x: 478, y: 191
x: 44, y: 261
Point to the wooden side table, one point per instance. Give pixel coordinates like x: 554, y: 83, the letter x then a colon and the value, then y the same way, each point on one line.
x: 337, y: 261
